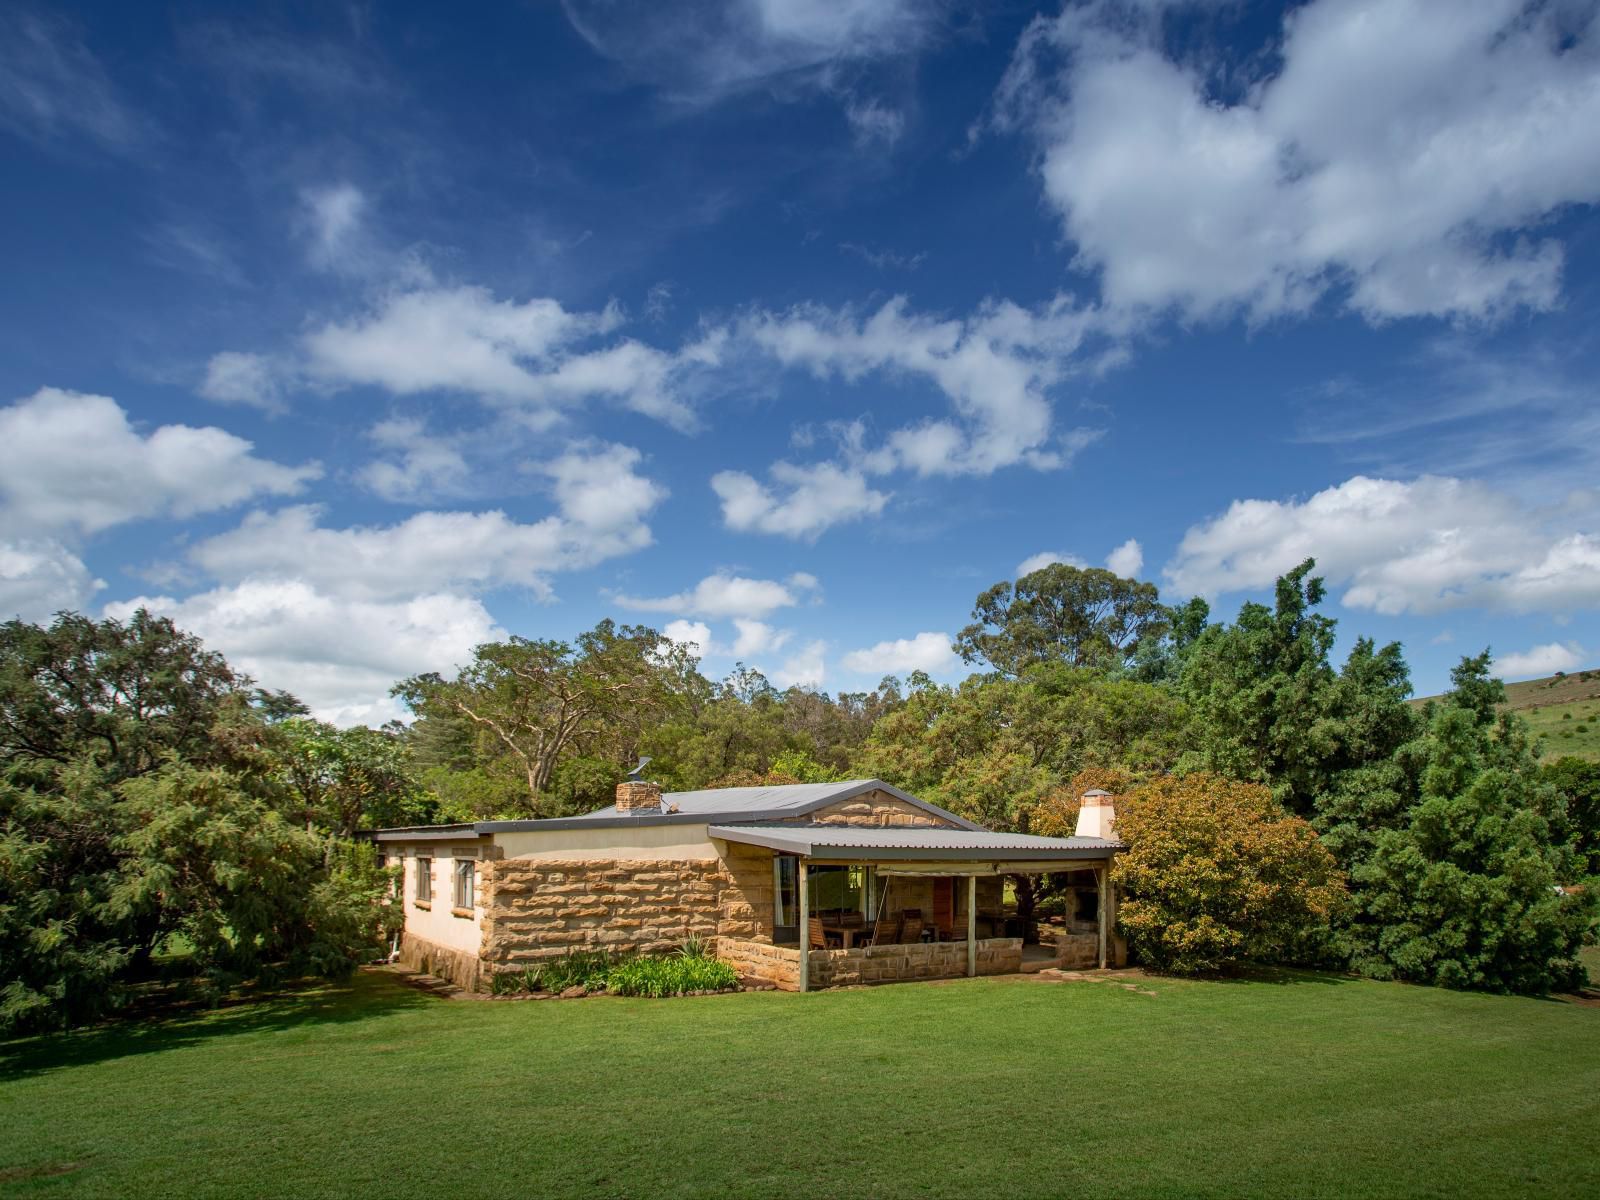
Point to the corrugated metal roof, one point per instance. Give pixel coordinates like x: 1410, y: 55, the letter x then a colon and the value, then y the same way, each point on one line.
x: 852, y: 841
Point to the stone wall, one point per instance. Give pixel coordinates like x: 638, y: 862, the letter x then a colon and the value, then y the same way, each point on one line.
x: 747, y: 902
x: 872, y: 808
x: 543, y: 908
x: 458, y: 966
x: 916, y: 960
x: 762, y: 961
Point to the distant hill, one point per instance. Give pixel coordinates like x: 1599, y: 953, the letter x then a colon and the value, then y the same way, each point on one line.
x: 1564, y: 709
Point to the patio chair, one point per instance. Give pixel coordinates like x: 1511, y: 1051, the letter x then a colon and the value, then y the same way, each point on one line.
x: 820, y: 938
x: 911, y: 931
x: 886, y: 930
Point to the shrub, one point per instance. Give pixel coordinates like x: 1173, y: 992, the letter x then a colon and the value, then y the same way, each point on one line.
x: 672, y: 976
x: 576, y: 968
x: 1217, y: 873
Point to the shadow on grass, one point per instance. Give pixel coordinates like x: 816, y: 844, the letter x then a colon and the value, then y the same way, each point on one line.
x: 362, y: 997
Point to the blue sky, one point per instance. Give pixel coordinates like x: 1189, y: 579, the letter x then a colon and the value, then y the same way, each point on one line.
x: 352, y: 336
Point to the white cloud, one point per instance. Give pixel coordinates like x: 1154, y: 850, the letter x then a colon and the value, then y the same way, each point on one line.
x: 806, y: 500
x: 424, y: 465
x: 525, y: 354
x: 253, y: 380
x: 52, y: 85
x: 39, y: 578
x: 601, y: 506
x: 874, y: 124
x: 694, y: 634
x: 1043, y: 559
x: 1540, y: 660
x: 1127, y: 560
x: 701, y: 53
x: 1426, y: 546
x: 718, y: 596
x: 1401, y: 153
x: 338, y: 654
x: 994, y: 368
x: 333, y: 217
x: 72, y: 461
x: 925, y: 652
x: 803, y: 669
x: 756, y: 637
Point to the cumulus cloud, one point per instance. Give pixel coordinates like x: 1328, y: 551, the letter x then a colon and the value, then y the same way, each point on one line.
x: 925, y: 652
x: 719, y: 596
x: 1127, y: 560
x: 1297, y: 178
x: 803, y: 502
x: 337, y: 653
x: 529, y: 354
x: 601, y: 508
x: 993, y: 367
x: 696, y: 635
x: 1043, y: 559
x: 39, y: 578
x: 420, y: 464
x: 1426, y: 546
x: 71, y: 461
x: 252, y: 380
x: 803, y: 669
x: 1540, y: 660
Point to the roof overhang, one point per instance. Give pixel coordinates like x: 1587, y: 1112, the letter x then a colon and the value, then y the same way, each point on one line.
x: 1019, y: 853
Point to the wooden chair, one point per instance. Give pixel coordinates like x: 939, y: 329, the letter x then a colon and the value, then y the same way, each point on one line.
x: 886, y: 930
x: 911, y: 931
x: 819, y: 938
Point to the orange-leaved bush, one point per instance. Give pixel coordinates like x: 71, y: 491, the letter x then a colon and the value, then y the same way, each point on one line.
x: 1217, y: 873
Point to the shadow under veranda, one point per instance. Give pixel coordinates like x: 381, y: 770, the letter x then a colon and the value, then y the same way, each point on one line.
x: 152, y: 1027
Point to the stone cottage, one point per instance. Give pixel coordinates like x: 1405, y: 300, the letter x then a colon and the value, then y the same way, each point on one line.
x: 804, y: 886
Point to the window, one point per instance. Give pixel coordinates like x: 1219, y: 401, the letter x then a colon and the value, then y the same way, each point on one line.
x: 786, y: 899
x: 424, y: 880
x: 466, y: 880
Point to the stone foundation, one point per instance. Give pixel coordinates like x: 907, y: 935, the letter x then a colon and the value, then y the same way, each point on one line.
x: 460, y: 968
x: 762, y: 961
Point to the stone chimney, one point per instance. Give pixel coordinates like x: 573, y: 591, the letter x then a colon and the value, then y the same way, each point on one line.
x: 635, y: 797
x: 1096, y: 817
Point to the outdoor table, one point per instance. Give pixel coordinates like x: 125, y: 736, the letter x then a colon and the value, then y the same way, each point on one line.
x: 846, y: 932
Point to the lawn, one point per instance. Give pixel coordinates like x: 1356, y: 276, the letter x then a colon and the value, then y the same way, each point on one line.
x: 1306, y: 1085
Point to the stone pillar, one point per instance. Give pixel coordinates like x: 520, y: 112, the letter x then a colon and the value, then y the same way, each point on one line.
x: 638, y: 796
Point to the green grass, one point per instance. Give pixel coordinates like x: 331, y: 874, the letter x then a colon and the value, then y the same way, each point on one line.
x: 1572, y: 728
x: 1303, y: 1085
x: 1555, y: 707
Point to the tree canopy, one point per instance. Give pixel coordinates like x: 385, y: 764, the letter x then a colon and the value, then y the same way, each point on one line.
x: 1081, y: 616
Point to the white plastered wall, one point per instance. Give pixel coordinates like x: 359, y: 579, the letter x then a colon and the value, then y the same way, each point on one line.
x: 438, y: 923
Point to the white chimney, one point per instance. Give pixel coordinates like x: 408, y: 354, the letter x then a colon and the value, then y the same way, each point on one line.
x: 1096, y: 817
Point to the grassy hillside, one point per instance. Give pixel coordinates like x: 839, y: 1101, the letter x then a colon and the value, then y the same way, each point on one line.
x: 1563, y: 709
x: 1294, y: 1085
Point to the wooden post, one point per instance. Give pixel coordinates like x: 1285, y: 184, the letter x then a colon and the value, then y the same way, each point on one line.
x: 972, y: 925
x: 805, y: 929
x: 1103, y: 873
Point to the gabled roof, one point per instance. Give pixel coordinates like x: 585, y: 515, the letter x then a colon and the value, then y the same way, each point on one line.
x: 708, y: 805
x: 913, y: 842
x: 774, y: 803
